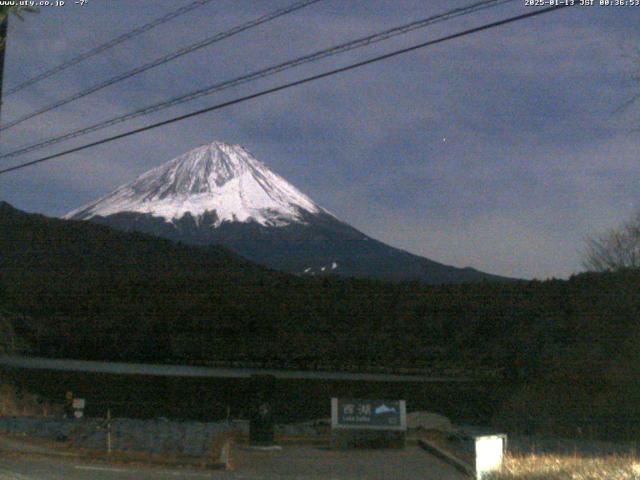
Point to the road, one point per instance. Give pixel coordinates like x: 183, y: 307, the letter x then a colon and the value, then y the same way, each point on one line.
x: 300, y: 463
x: 23, y: 468
x: 24, y: 460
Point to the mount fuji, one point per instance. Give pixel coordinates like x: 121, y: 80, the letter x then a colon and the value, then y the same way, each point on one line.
x: 220, y: 194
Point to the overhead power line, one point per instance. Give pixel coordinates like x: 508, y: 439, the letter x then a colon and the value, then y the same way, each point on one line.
x: 164, y: 59
x: 315, y: 56
x: 110, y: 44
x: 289, y: 85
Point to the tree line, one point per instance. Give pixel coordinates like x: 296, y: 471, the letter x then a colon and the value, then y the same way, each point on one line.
x: 95, y: 293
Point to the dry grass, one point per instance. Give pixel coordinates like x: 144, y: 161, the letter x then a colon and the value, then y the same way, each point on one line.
x: 557, y: 467
x: 16, y: 402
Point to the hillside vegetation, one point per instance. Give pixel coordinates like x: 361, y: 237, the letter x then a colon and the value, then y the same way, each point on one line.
x: 555, y: 467
x: 97, y: 293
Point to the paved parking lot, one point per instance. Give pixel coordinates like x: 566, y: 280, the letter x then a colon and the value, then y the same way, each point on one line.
x: 18, y: 462
x: 311, y: 463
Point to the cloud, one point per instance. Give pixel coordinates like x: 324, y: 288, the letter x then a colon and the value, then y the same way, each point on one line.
x: 536, y: 156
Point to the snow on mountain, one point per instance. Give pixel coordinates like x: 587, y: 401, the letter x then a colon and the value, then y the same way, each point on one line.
x: 219, y: 177
x: 219, y: 194
x: 322, y: 269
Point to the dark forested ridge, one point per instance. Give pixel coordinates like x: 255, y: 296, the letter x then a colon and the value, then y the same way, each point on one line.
x: 81, y: 290
x: 93, y: 292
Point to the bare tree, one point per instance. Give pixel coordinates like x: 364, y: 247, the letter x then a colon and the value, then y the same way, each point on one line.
x: 616, y: 249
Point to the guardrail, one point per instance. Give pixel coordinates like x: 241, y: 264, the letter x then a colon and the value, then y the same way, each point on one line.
x: 41, y: 363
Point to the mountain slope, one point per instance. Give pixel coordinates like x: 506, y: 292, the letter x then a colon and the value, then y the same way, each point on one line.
x: 92, y: 292
x: 98, y: 293
x: 220, y: 194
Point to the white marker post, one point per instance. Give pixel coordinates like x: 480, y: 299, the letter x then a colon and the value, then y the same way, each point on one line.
x: 489, y: 453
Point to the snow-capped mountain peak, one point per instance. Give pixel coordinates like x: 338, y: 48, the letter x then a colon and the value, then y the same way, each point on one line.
x: 219, y: 194
x: 216, y: 178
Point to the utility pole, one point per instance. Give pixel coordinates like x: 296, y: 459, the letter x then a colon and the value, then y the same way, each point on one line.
x: 4, y: 29
x: 109, y: 431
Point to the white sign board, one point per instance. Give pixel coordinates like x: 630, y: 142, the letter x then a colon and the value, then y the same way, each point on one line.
x: 489, y: 453
x: 78, y: 403
x: 359, y: 414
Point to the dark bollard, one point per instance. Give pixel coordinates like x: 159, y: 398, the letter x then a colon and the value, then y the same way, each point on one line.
x: 68, y: 405
x: 261, y: 426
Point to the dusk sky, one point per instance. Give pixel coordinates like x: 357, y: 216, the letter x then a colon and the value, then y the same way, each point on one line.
x: 502, y: 150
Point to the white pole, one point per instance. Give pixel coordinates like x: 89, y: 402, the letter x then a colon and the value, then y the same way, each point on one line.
x: 109, y: 431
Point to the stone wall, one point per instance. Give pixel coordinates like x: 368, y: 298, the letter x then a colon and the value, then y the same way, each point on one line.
x: 152, y: 436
